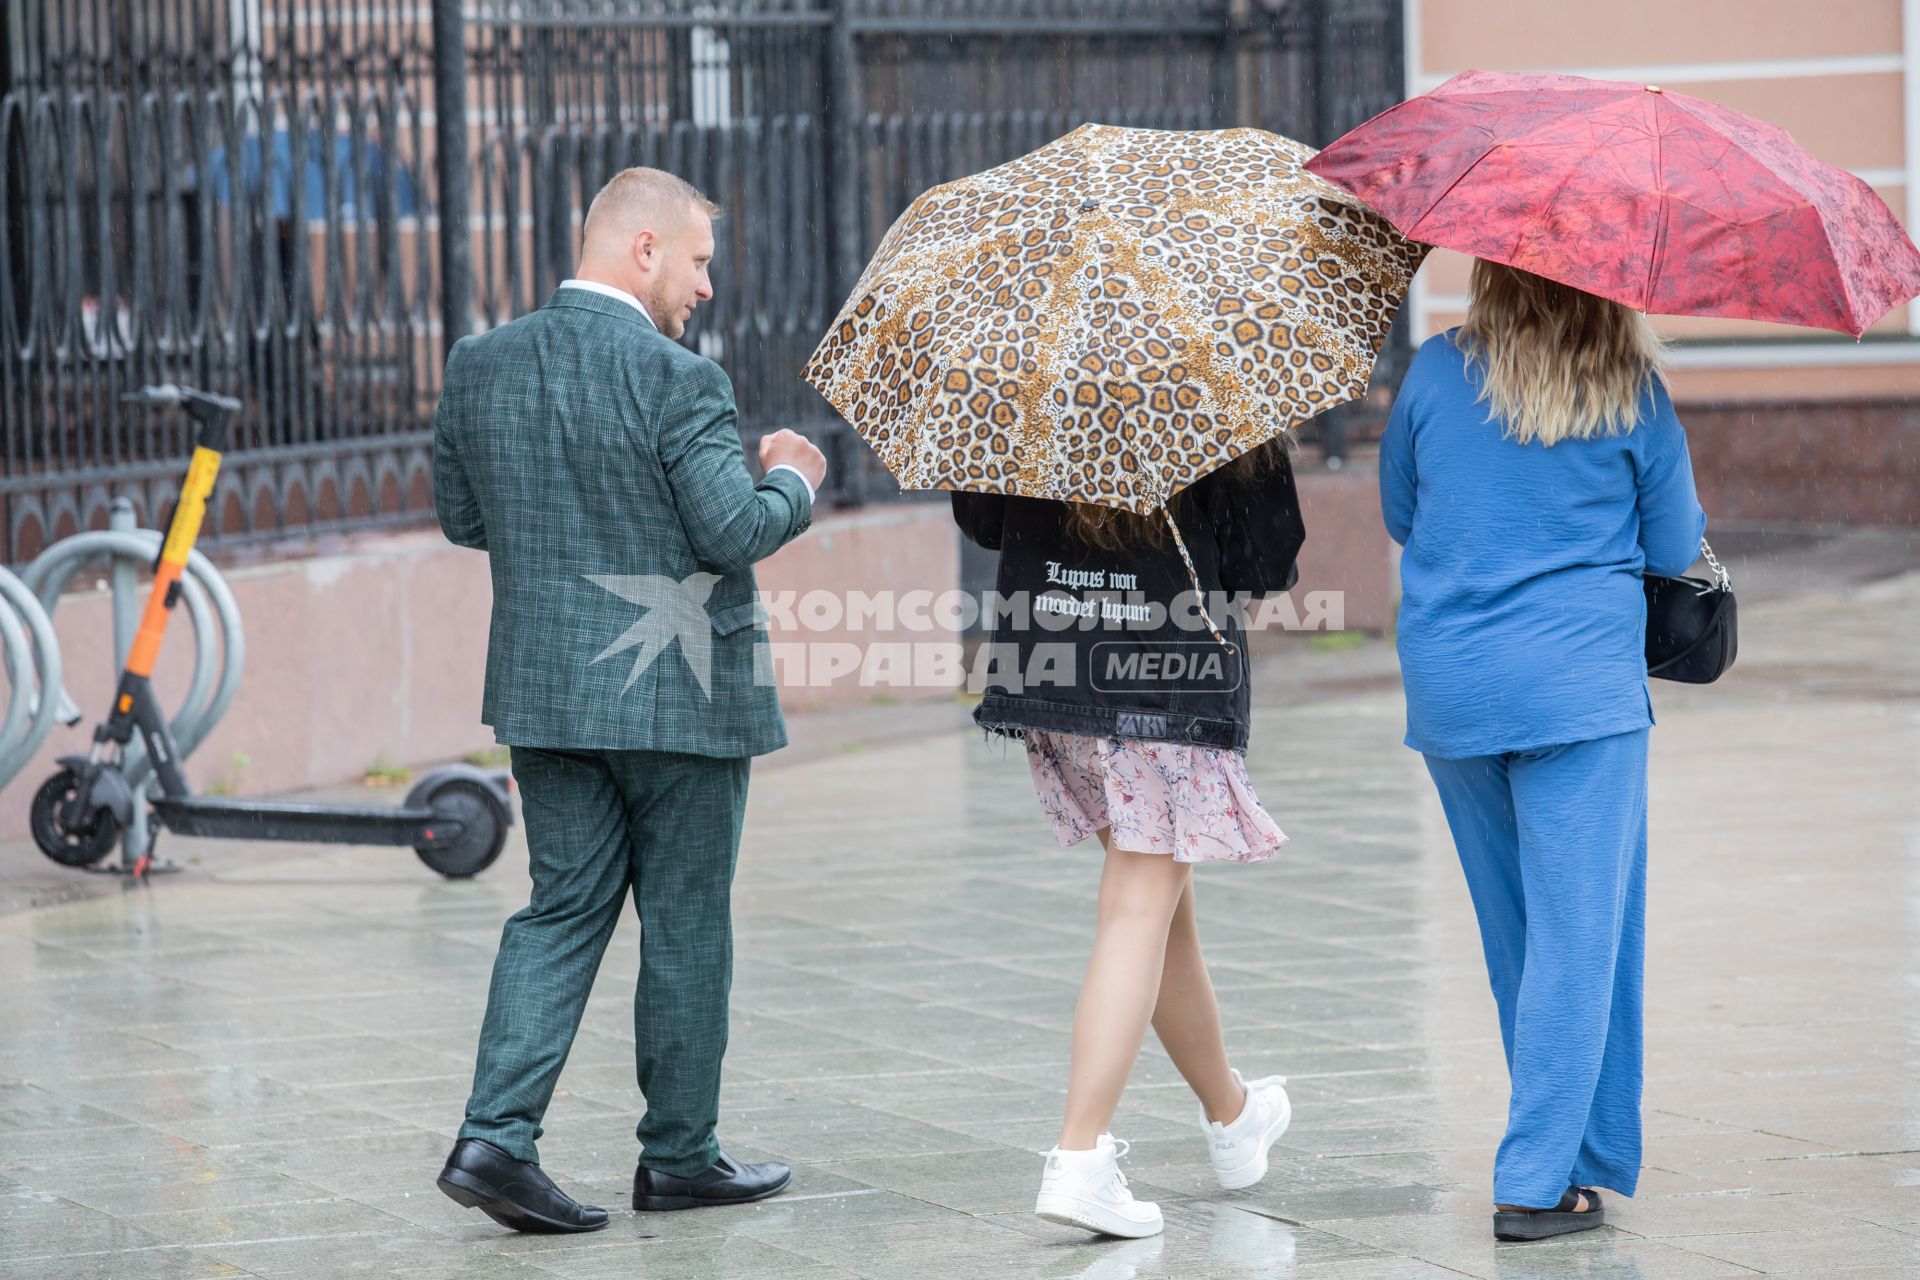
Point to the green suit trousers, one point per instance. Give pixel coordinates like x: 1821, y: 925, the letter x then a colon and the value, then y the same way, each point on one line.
x: 666, y: 826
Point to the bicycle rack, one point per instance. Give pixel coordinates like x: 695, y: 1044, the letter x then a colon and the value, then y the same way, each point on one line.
x: 32, y: 654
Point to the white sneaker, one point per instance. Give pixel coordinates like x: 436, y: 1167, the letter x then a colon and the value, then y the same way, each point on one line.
x: 1086, y: 1189
x: 1239, y: 1150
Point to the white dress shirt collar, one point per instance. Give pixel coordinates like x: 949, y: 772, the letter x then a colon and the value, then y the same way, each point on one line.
x: 609, y: 291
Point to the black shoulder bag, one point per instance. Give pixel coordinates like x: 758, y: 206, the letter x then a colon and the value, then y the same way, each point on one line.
x: 1691, y: 636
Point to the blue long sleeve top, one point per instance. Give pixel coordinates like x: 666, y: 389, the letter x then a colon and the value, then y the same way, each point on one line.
x: 1522, y: 617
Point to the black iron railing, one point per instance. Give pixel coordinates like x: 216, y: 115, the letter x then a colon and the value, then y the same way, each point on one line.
x: 250, y: 194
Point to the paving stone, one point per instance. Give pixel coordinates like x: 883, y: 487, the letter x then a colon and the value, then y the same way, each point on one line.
x: 212, y: 1079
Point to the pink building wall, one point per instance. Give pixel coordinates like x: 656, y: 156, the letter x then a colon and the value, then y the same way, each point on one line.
x: 375, y: 655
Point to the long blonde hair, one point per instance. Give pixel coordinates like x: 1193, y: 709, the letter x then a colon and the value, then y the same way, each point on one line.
x: 1559, y: 363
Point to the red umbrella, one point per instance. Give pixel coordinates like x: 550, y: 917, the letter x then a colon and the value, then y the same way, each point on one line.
x: 1658, y: 200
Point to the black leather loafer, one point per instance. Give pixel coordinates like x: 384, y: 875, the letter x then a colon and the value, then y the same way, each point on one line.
x: 728, y: 1182
x: 512, y: 1192
x: 1563, y: 1219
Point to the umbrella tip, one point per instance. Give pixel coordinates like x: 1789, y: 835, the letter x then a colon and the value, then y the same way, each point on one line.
x: 1089, y: 205
x: 1654, y: 88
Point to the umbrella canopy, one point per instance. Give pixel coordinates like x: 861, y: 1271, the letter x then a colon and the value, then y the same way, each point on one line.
x: 1110, y: 317
x: 1664, y: 202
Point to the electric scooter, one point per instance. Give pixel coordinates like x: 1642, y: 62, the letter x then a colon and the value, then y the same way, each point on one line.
x: 455, y: 818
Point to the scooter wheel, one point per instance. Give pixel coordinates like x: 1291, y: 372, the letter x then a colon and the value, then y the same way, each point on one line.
x: 483, y: 819
x: 77, y: 846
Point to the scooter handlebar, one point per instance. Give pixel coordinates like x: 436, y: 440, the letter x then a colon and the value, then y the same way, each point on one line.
x: 210, y: 410
x: 204, y: 405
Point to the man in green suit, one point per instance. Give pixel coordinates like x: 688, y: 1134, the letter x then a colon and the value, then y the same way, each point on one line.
x: 597, y: 463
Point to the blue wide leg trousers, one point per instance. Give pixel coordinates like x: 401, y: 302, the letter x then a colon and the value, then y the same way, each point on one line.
x: 1554, y: 846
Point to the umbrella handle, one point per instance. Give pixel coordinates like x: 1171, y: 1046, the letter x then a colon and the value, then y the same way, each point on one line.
x: 1193, y: 576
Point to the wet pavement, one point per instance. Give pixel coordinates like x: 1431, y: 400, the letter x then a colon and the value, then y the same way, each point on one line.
x: 255, y: 1067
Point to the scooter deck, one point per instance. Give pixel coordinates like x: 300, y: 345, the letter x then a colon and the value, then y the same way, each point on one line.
x: 284, y: 820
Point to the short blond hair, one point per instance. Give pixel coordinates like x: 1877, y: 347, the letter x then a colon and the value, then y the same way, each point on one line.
x: 640, y: 195
x: 1559, y: 363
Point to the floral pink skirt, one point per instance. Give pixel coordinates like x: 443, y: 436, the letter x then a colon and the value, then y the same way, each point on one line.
x: 1194, y: 803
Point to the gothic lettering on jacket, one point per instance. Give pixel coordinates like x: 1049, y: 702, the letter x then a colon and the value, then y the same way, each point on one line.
x: 1098, y: 579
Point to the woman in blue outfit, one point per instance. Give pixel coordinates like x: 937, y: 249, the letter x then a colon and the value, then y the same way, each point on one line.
x: 1533, y: 469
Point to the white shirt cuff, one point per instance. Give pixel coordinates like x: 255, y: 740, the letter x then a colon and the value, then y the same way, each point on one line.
x: 788, y: 466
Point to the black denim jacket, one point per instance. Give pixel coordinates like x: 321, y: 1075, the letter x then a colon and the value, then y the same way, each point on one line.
x: 1109, y: 644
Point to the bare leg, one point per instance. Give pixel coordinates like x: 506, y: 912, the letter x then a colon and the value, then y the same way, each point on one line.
x: 1187, y: 1018
x: 1138, y: 893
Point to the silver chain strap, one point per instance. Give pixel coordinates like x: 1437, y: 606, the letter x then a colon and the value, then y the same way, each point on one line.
x: 1720, y: 574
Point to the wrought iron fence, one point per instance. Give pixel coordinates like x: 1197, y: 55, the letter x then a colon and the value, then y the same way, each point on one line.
x: 228, y: 194
x: 249, y: 195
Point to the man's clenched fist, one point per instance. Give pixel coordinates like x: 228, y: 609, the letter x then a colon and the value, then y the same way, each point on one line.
x: 784, y: 448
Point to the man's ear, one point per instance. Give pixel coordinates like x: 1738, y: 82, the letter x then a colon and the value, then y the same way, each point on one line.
x: 646, y: 249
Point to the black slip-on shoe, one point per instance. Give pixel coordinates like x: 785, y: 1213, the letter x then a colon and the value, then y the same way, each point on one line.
x: 1561, y: 1220
x: 513, y: 1192
x: 727, y: 1182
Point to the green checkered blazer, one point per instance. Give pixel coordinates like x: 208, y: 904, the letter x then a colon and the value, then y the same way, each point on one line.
x: 597, y: 464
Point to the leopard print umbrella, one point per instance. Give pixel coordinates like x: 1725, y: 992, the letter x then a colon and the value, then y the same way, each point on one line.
x: 1112, y: 316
